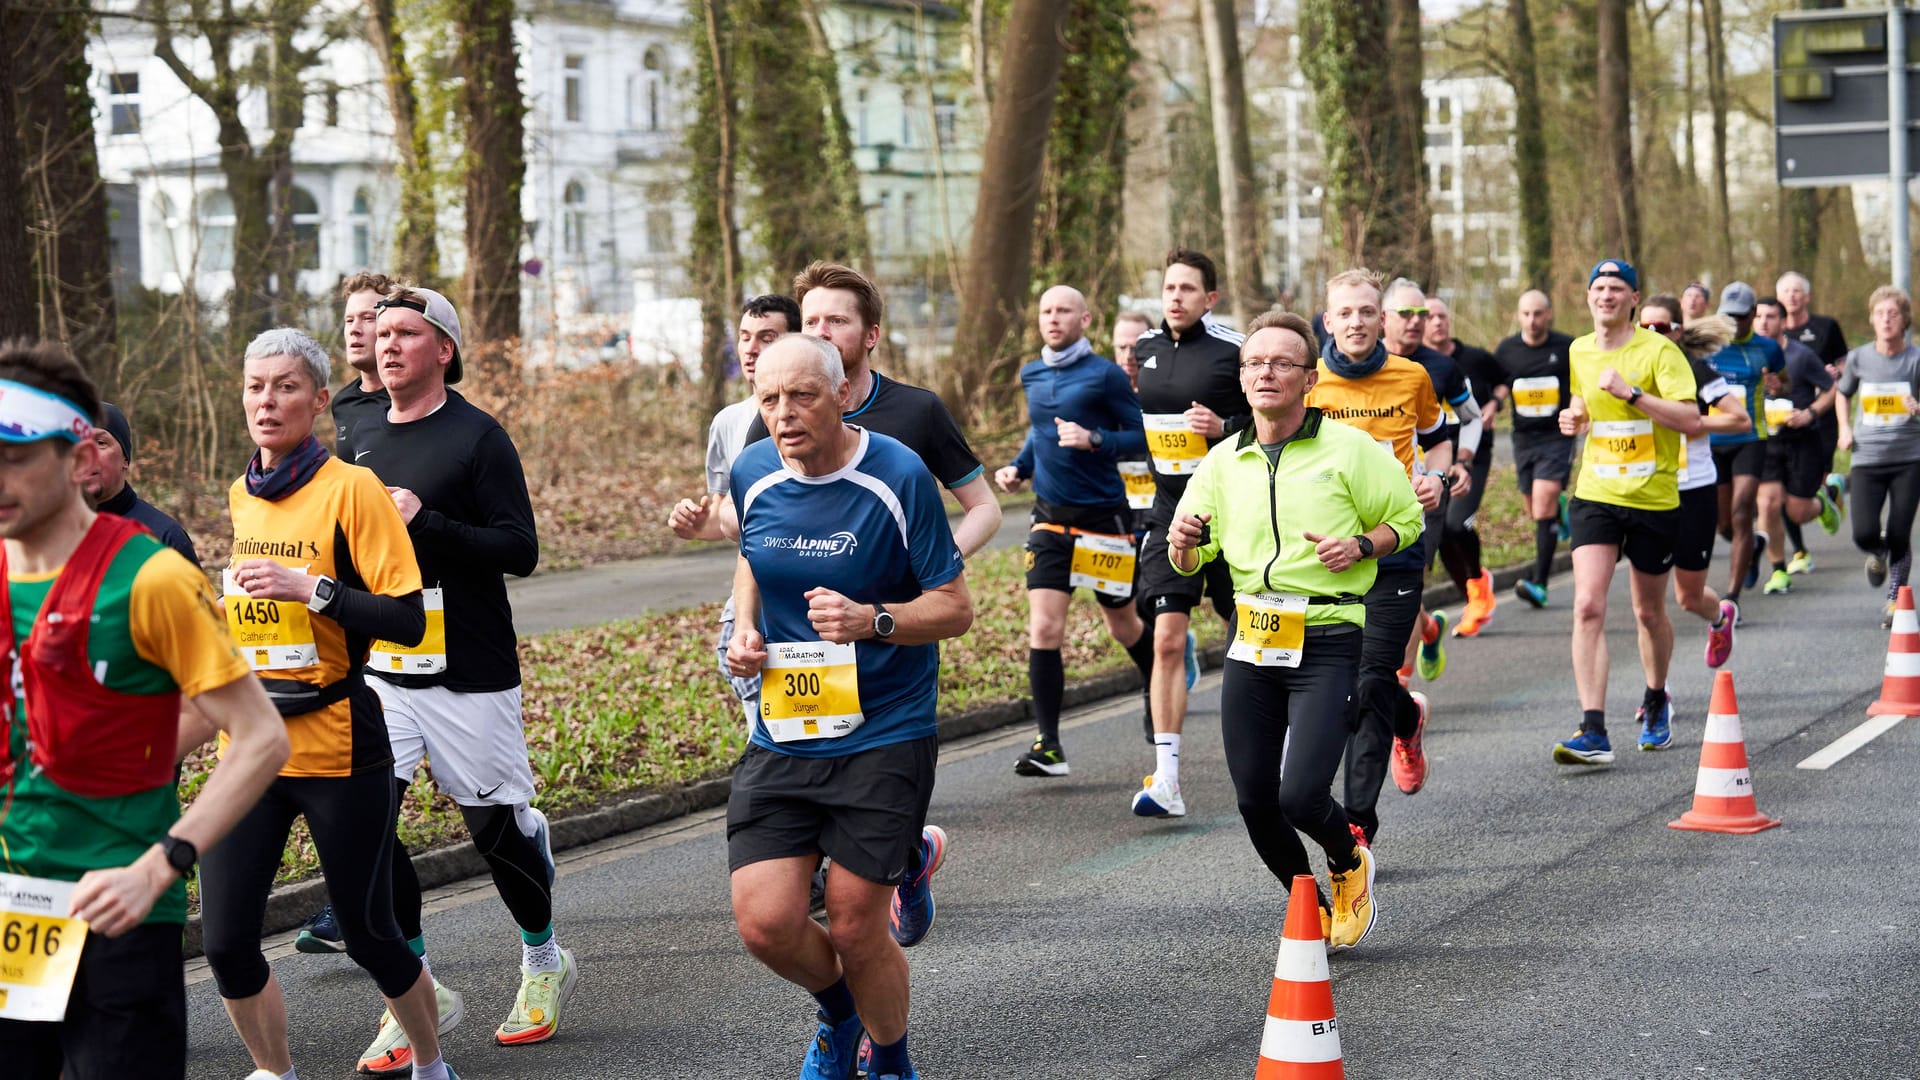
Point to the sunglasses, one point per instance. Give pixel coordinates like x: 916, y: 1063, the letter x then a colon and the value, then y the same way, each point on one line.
x: 1660, y: 326
x: 1410, y: 312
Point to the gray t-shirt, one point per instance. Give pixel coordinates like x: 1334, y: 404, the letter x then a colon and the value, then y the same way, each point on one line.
x: 725, y: 439
x: 1884, y: 433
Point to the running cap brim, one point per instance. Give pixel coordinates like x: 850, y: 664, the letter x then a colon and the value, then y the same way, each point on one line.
x: 438, y: 311
x: 29, y: 414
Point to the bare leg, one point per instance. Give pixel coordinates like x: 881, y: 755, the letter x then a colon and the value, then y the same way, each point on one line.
x: 261, y: 1021
x: 1169, y: 689
x: 1656, y: 630
x: 858, y: 915
x: 770, y: 908
x: 1690, y: 591
x: 418, y: 1013
x: 1592, y: 574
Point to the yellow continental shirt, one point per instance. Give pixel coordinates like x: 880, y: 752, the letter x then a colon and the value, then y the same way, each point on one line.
x: 342, y: 523
x: 1629, y: 460
x: 1394, y: 405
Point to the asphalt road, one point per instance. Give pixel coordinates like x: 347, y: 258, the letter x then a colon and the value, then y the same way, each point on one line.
x: 1537, y: 921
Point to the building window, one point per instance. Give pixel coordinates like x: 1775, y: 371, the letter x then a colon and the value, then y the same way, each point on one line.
x: 1443, y: 179
x: 160, y: 236
x: 215, y: 218
x: 573, y: 219
x: 575, y: 88
x: 306, y: 229
x: 882, y: 235
x: 656, y: 65
x: 860, y: 118
x: 945, y: 116
x: 1440, y: 110
x: 123, y: 101
x: 908, y: 240
x: 906, y: 118
x: 362, y: 229
x: 659, y: 231
x: 903, y: 44
x: 332, y: 105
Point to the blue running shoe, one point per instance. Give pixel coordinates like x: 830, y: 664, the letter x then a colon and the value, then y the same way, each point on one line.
x: 1531, y: 591
x: 321, y: 934
x: 1585, y: 748
x: 834, y: 1052
x: 1759, y: 558
x: 866, y: 1065
x: 913, y: 900
x: 1656, y: 728
x: 1193, y: 660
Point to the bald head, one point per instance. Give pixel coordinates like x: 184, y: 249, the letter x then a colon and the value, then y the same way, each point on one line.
x: 1064, y: 316
x: 1535, y: 316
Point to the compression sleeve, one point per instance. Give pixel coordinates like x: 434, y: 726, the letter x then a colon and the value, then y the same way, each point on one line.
x: 399, y: 619
x: 507, y: 542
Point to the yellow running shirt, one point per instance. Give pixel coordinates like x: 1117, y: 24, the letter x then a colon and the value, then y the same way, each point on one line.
x: 1394, y: 405
x: 1629, y: 460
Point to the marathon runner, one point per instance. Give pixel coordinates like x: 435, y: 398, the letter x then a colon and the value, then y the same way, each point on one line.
x: 107, y: 487
x: 1633, y: 396
x: 1694, y: 301
x: 1189, y: 399
x: 1392, y: 399
x: 94, y: 849
x: 1460, y: 542
x: 1884, y: 378
x: 1793, y: 484
x: 1298, y: 508
x: 1533, y: 377
x: 848, y: 577
x: 1082, y: 418
x: 1739, y: 459
x: 1824, y: 336
x: 321, y: 567
x: 1136, y: 470
x: 361, y: 400
x: 1127, y: 328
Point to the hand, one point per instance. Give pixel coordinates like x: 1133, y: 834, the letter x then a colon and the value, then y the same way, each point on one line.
x: 1461, y: 476
x: 1912, y: 406
x: 113, y: 902
x: 1204, y: 421
x: 836, y: 618
x: 406, y: 502
x: 1845, y: 441
x: 1336, y: 554
x: 1072, y: 435
x: 1800, y: 418
x: 1612, y: 383
x: 264, y: 579
x: 1184, y: 532
x: 1007, y: 479
x: 1427, y: 488
x: 1774, y: 383
x: 1573, y: 420
x: 746, y: 652
x: 686, y: 520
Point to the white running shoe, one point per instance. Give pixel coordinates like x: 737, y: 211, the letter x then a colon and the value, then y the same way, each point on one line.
x: 1158, y: 798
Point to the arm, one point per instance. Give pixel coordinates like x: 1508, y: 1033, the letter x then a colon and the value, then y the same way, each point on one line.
x: 982, y: 518
x: 1843, y: 416
x: 942, y: 612
x: 1191, y: 543
x: 507, y: 541
x: 747, y: 651
x: 401, y: 619
x: 1728, y: 418
x: 1023, y: 461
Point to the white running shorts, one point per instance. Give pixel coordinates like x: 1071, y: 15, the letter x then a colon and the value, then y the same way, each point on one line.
x: 475, y: 743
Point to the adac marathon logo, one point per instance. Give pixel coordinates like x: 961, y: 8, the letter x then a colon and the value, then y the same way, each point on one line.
x: 839, y: 543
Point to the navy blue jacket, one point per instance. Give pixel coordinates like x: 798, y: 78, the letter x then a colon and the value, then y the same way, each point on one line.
x: 1092, y: 392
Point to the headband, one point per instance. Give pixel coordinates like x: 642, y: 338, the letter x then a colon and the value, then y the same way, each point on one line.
x: 28, y: 414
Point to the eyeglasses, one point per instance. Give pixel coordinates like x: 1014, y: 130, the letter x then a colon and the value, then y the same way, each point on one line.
x: 1271, y: 365
x: 1410, y: 312
x: 1660, y: 326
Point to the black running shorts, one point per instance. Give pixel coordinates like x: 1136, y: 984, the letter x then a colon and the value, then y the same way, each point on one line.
x: 1542, y: 457
x: 1645, y: 537
x: 1053, y: 532
x: 864, y: 810
x: 1699, y: 514
x: 1796, y: 462
x: 1745, y: 459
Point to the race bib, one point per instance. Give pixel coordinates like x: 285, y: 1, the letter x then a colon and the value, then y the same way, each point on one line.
x: 273, y: 635
x: 427, y: 658
x: 1882, y: 404
x: 1621, y: 449
x: 1175, y: 450
x: 1139, y: 481
x: 1536, y: 397
x: 39, y: 947
x: 1778, y: 410
x: 1271, y: 629
x: 1103, y: 564
x: 810, y: 690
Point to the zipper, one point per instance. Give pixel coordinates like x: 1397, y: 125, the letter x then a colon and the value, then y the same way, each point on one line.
x: 1273, y: 513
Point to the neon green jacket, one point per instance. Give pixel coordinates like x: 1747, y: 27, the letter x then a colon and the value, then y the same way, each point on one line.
x: 1331, y: 480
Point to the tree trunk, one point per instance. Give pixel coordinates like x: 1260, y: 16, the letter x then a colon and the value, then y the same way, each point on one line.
x: 416, y: 244
x: 1000, y: 256
x: 982, y: 85
x: 1240, y: 209
x: 17, y: 285
x: 1530, y: 153
x: 1715, y: 29
x: 1346, y: 59
x: 716, y: 240
x: 1619, y: 210
x: 1405, y: 167
x: 496, y: 168
x: 1687, y: 99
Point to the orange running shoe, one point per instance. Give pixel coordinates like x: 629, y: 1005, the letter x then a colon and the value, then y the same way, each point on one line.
x: 1409, y: 762
x: 1480, y: 604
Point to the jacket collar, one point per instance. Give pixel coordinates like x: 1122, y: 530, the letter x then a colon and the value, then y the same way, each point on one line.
x: 1309, y: 429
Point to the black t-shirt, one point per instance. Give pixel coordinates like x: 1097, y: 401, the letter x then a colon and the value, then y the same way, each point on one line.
x: 475, y: 526
x: 1480, y: 368
x: 915, y: 417
x: 1821, y: 334
x: 1807, y: 377
x: 1515, y: 359
x: 1202, y: 366
x: 351, y: 407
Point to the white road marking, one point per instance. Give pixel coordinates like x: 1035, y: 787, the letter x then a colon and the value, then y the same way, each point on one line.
x: 1839, y: 748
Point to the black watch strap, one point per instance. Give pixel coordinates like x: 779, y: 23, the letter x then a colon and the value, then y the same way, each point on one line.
x: 181, y: 854
x: 1366, y: 546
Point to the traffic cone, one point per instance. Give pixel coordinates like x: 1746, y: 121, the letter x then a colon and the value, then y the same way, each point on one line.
x: 1302, y: 1040
x: 1900, y: 689
x: 1723, y: 795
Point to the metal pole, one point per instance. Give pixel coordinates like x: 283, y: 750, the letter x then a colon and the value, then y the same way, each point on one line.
x: 1897, y: 142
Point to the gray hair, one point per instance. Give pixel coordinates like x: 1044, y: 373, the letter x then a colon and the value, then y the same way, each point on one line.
x: 1794, y: 275
x: 286, y: 341
x: 1404, y: 283
x: 829, y: 356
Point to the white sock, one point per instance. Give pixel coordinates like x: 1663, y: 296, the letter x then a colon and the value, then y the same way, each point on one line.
x: 544, y: 957
x: 289, y: 1075
x: 1166, y: 757
x: 437, y: 1070
x: 525, y: 821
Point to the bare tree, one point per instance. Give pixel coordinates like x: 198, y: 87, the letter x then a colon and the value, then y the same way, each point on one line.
x: 1530, y: 151
x: 1240, y: 208
x: 416, y: 245
x: 496, y: 167
x: 1404, y: 168
x: 716, y: 237
x: 1713, y: 27
x: 1619, y: 209
x: 16, y: 262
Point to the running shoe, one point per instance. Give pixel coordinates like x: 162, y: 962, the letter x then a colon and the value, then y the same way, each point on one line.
x: 1531, y: 591
x: 1480, y: 605
x: 1359, y: 835
x: 537, y: 1007
x: 1656, y: 727
x: 1585, y: 748
x: 1432, y: 657
x: 1886, y: 615
x: 1836, y: 485
x: 1354, y: 910
x: 835, y: 1051
x: 913, y: 900
x: 1759, y: 554
x: 1406, y: 676
x: 391, y: 1054
x: 1801, y: 563
x: 1720, y: 634
x: 543, y: 836
x: 1829, y: 512
x: 320, y: 934
x: 1158, y: 798
x: 1877, y: 569
x: 1409, y: 762
x: 1042, y: 760
x: 1563, y: 523
x: 1779, y: 583
x: 865, y: 1069
x: 1326, y: 929
x: 1193, y: 660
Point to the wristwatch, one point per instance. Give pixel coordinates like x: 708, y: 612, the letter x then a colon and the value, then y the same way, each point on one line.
x: 882, y: 622
x: 1097, y: 438
x: 1366, y: 546
x: 323, y: 593
x: 1635, y: 397
x: 181, y: 854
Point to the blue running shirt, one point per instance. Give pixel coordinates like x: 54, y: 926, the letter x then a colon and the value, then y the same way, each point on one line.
x: 875, y: 532
x: 1743, y: 364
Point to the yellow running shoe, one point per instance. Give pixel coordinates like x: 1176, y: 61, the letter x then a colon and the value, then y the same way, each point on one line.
x: 536, y: 1009
x: 391, y: 1054
x: 1353, y: 908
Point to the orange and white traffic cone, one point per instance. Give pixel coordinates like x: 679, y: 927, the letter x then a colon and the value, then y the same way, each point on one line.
x: 1723, y: 795
x: 1900, y: 689
x: 1302, y: 1040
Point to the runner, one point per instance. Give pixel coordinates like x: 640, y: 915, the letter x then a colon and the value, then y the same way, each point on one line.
x: 1633, y: 396
x: 1694, y: 301
x: 361, y: 400
x: 314, y: 536
x: 1127, y: 328
x: 107, y: 488
x: 1391, y: 398
x: 1189, y: 399
x: 1824, y: 336
x: 1884, y: 378
x: 1083, y: 417
x: 1460, y: 542
x: 1298, y: 508
x: 1739, y: 459
x: 93, y: 826
x: 1533, y: 376
x: 1793, y: 483
x: 847, y: 579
